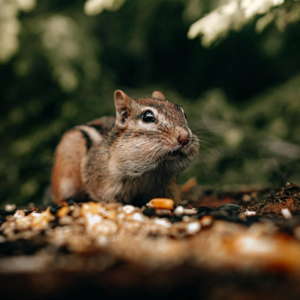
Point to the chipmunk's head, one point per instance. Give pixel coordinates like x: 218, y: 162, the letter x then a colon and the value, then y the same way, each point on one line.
x: 153, y: 132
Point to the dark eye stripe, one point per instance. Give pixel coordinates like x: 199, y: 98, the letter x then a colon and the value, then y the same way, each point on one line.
x: 87, y: 139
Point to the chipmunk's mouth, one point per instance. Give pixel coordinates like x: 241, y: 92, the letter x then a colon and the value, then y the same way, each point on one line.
x: 173, y: 153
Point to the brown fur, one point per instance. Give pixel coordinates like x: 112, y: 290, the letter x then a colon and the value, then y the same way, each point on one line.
x: 129, y: 160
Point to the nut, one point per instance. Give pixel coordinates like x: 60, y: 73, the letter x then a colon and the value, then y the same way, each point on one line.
x: 63, y: 211
x: 164, y: 203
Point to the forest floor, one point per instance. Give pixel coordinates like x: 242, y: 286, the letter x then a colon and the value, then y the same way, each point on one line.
x: 238, y: 245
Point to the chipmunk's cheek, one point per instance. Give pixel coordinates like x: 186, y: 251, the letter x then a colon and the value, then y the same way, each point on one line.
x: 194, y: 147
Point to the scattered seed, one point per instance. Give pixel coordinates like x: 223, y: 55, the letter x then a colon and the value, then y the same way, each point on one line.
x: 186, y: 219
x: 63, y: 211
x: 10, y: 218
x: 10, y: 207
x: 19, y: 214
x: 128, y: 209
x: 90, y: 207
x: 65, y: 220
x: 179, y: 210
x: 206, y: 221
x: 189, y: 211
x: 161, y: 203
x: 193, y: 227
x: 286, y: 213
x: 138, y: 217
x: 249, y: 213
x: 163, y: 222
x: 163, y: 212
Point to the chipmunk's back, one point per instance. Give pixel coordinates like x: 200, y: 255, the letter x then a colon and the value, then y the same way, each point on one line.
x: 67, y: 175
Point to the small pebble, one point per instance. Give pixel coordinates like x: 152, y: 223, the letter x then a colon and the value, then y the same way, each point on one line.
x: 149, y: 212
x: 71, y: 201
x: 163, y: 212
x: 174, y: 219
x: 231, y: 207
x: 203, y: 211
x: 54, y: 209
x: 219, y: 213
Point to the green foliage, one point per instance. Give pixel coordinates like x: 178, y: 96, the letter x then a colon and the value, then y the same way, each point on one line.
x: 62, y: 60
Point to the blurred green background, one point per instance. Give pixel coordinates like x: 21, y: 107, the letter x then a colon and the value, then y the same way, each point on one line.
x: 233, y: 65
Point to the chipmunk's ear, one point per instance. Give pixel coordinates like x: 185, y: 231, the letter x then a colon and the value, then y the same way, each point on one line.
x: 122, y: 104
x: 158, y: 95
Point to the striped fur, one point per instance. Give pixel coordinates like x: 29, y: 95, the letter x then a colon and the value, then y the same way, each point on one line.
x: 124, y: 158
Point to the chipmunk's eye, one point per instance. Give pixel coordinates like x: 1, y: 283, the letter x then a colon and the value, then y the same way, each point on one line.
x: 148, y: 117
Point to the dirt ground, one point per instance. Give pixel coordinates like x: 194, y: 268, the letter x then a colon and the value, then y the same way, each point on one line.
x: 215, y: 245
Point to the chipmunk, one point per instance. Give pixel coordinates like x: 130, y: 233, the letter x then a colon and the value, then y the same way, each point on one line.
x: 130, y: 158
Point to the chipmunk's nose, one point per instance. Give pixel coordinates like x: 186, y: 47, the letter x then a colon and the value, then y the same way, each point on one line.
x: 183, y: 136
